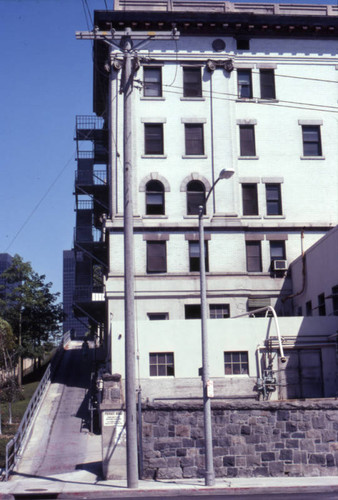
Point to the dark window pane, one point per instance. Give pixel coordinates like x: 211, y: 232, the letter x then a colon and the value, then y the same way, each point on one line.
x: 219, y: 311
x: 250, y: 201
x: 192, y: 82
x: 156, y: 257
x: 244, y: 83
x: 335, y: 300
x: 236, y: 363
x: 161, y: 370
x: 277, y: 250
x: 153, y: 370
x: 253, y: 256
x: 158, y: 316
x: 242, y: 44
x: 153, y: 138
x: 273, y: 199
x: 152, y: 82
x: 321, y: 305
x: 308, y: 307
x: 154, y: 198
x: 267, y: 79
x: 195, y: 197
x: 311, y: 140
x: 192, y: 311
x: 194, y: 256
x: 247, y: 140
x: 194, y: 143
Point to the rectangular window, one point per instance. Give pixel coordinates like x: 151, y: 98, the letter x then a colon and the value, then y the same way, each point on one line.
x: 335, y: 300
x: 277, y: 251
x: 156, y: 257
x: 267, y: 81
x: 321, y: 304
x: 311, y: 140
x: 308, y: 308
x: 244, y: 83
x: 161, y: 364
x: 247, y: 140
x: 192, y: 82
x: 152, y: 82
x: 219, y: 311
x: 242, y: 44
x: 194, y: 256
x: 250, y: 200
x: 236, y: 363
x: 158, y: 316
x: 192, y: 311
x: 253, y: 256
x: 273, y: 199
x: 153, y: 138
x: 194, y: 141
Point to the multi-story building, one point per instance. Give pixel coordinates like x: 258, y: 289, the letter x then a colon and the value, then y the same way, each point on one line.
x: 251, y: 88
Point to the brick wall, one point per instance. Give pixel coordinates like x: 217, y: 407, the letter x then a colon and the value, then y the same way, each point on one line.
x: 249, y: 440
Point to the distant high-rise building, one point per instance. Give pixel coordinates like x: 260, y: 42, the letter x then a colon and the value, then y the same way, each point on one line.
x: 77, y: 327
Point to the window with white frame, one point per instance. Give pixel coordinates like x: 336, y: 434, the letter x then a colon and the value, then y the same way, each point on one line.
x: 161, y: 364
x: 219, y: 311
x: 156, y: 257
x: 155, y: 198
x: 250, y: 199
x: 244, y: 83
x: 267, y: 83
x: 247, y: 140
x: 194, y: 140
x: 152, y: 81
x: 312, y: 145
x: 192, y: 82
x: 273, y: 199
x: 153, y: 139
x: 253, y: 256
x: 236, y: 363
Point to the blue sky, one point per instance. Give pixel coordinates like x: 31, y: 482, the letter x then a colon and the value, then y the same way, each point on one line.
x: 46, y: 80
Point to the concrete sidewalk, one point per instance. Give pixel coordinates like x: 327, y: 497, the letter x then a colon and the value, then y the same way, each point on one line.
x: 72, y: 484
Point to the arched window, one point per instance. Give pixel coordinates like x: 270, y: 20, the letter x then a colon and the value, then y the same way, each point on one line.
x: 195, y: 197
x: 154, y: 198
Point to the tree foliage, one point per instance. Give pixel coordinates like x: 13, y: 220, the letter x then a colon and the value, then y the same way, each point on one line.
x: 29, y: 306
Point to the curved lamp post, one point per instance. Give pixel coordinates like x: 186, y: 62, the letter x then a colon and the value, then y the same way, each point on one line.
x: 207, y: 386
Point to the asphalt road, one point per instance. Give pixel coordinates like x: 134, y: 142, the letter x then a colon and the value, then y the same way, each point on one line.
x: 61, y: 441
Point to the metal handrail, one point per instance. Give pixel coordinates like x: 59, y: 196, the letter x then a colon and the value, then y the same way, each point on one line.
x: 18, y: 442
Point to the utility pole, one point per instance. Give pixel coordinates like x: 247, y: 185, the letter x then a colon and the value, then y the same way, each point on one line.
x: 126, y: 39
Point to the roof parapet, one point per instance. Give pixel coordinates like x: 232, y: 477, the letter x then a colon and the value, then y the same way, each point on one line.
x: 212, y: 6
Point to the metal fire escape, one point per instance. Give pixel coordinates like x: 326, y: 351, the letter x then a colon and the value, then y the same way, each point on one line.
x: 91, y: 206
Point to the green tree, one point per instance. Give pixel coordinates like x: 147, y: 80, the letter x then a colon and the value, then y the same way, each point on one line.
x: 9, y: 390
x: 31, y: 309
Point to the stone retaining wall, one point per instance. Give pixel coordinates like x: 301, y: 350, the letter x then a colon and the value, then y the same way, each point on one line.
x: 249, y: 439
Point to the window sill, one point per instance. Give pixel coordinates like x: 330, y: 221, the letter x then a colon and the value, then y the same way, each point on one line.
x: 251, y: 216
x: 312, y: 157
x: 266, y: 101
x: 154, y: 216
x: 161, y: 376
x: 192, y: 98
x: 246, y: 99
x: 161, y: 157
x: 248, y: 158
x: 154, y: 98
x: 194, y: 157
x: 243, y: 375
x: 274, y: 217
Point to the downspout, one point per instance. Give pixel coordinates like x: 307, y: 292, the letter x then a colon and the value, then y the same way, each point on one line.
x: 212, y: 142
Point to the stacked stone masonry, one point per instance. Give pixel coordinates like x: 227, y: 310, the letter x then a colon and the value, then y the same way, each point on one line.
x: 255, y: 440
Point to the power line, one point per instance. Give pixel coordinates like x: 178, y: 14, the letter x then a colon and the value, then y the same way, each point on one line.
x: 39, y: 202
x: 281, y: 104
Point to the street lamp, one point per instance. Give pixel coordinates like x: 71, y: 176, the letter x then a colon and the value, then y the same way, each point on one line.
x: 207, y: 385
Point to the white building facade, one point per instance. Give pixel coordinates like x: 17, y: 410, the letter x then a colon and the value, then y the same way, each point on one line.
x: 248, y: 88
x: 272, y: 120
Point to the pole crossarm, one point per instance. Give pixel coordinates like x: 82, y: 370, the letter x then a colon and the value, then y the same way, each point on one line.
x: 109, y: 36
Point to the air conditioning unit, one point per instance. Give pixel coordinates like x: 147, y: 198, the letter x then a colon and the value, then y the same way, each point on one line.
x: 280, y: 265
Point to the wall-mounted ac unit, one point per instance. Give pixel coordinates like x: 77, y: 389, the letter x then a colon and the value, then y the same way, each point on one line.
x: 280, y: 265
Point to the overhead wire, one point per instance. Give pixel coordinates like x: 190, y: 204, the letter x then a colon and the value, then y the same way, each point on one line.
x: 24, y: 224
